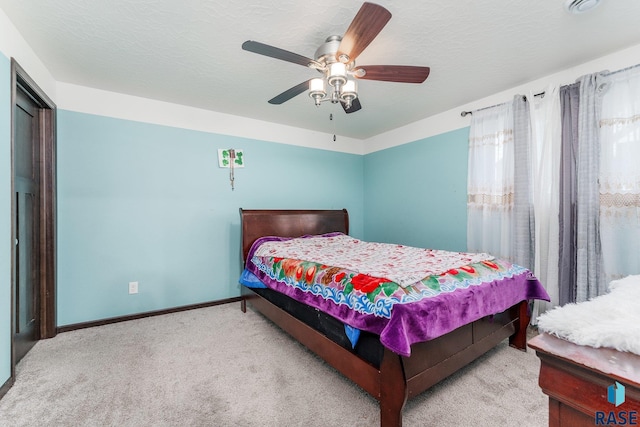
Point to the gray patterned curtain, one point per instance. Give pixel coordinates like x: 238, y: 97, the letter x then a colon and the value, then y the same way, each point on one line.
x: 524, y: 225
x: 570, y: 103
x: 589, y: 273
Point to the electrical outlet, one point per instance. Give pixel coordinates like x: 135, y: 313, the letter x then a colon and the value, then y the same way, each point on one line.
x: 133, y: 287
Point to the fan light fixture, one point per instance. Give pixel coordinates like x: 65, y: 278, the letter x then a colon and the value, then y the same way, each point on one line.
x: 336, y: 77
x: 335, y: 60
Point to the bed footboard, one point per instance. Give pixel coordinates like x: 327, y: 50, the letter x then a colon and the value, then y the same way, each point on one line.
x: 519, y: 338
x: 400, y: 378
x: 393, y: 389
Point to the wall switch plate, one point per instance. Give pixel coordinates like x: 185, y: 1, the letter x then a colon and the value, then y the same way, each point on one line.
x: 133, y: 287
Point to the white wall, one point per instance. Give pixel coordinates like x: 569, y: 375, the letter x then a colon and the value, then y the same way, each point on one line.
x: 109, y: 104
x: 93, y: 101
x: 12, y: 44
x: 451, y: 120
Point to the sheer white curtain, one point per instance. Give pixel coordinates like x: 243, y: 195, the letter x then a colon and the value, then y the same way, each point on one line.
x: 490, y: 182
x: 546, y: 136
x: 620, y: 175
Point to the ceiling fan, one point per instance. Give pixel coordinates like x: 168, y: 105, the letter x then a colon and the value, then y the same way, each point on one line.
x: 335, y: 59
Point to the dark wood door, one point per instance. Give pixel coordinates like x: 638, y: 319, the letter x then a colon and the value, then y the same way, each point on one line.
x: 27, y: 199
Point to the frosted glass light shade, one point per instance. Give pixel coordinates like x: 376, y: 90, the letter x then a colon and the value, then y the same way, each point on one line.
x: 337, y: 74
x: 338, y: 69
x: 350, y: 87
x: 316, y: 86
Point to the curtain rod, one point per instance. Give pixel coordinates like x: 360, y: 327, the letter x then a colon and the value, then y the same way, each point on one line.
x: 623, y: 69
x: 464, y: 113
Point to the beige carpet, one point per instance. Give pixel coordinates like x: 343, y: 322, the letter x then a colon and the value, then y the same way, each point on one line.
x: 219, y: 367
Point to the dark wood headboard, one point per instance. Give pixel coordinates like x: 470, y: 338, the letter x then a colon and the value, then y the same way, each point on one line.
x: 256, y: 223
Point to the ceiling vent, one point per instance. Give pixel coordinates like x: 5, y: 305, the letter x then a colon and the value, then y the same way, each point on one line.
x: 580, y: 6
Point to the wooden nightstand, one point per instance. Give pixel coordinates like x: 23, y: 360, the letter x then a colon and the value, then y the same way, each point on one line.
x: 577, y: 378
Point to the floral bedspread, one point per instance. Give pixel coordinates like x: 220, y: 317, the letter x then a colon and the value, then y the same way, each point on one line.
x: 461, y: 289
x: 404, y: 265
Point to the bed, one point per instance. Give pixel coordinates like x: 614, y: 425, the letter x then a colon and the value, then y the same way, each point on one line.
x: 390, y: 372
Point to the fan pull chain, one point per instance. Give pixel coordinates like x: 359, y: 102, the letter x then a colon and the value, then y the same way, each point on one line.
x: 334, y: 126
x: 232, y: 160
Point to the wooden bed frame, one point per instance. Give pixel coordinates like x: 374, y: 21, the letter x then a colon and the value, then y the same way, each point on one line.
x: 398, y: 378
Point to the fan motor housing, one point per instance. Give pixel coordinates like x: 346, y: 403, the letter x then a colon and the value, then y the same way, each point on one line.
x: 326, y: 53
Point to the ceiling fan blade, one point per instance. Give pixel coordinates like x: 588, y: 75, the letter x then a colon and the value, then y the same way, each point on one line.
x: 393, y: 73
x: 277, y: 53
x: 290, y: 93
x: 368, y: 22
x: 355, y: 106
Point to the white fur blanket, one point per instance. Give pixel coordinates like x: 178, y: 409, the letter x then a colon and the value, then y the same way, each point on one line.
x: 611, y: 320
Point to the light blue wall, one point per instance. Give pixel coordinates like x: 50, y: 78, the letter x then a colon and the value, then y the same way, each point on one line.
x: 416, y: 194
x: 5, y: 219
x: 148, y: 203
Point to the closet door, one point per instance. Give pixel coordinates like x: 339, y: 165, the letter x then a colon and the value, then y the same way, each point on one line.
x: 27, y: 210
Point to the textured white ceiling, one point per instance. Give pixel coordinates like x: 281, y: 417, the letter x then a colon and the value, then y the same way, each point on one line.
x: 189, y: 51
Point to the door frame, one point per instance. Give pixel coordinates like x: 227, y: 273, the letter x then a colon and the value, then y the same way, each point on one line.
x: 47, y: 205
